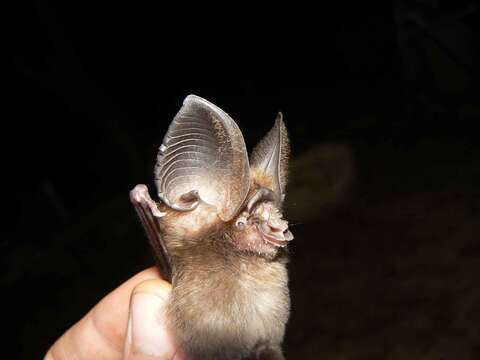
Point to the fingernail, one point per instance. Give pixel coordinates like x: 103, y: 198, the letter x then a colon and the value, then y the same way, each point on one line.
x: 147, y: 325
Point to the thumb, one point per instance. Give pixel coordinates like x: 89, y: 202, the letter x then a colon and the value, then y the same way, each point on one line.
x: 147, y: 333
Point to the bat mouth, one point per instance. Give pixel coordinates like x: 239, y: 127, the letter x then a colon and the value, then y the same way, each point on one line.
x: 274, y: 240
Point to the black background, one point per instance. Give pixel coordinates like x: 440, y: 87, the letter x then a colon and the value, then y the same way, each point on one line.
x: 391, y: 92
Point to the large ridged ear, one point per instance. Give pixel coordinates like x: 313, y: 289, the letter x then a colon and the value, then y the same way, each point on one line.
x: 270, y: 158
x: 203, y: 158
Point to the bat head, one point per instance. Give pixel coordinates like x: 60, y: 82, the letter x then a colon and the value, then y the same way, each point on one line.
x: 261, y: 229
x: 206, y: 181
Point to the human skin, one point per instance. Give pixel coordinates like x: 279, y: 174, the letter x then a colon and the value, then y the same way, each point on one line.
x: 129, y: 323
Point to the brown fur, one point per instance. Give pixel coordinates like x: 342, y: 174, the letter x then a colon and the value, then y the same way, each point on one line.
x: 225, y: 301
x: 261, y: 178
x: 230, y: 295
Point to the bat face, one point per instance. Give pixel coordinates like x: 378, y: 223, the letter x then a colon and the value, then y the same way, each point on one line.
x: 262, y: 230
x: 219, y: 221
x: 205, y: 180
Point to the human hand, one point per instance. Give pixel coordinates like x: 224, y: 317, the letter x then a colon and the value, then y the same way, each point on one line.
x: 129, y: 323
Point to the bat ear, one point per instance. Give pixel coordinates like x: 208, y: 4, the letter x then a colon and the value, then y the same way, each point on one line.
x: 269, y: 159
x: 203, y: 158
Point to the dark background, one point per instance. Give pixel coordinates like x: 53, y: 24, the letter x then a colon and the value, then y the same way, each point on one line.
x: 382, y: 105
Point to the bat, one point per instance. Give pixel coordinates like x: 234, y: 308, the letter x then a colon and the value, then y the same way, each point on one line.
x: 218, y: 234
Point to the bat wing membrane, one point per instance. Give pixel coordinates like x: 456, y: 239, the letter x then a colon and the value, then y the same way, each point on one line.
x: 149, y: 215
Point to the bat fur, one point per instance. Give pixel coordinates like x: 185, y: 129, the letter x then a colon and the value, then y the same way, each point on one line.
x: 230, y: 297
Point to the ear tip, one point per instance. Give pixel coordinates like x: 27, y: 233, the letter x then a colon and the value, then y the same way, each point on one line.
x: 197, y: 102
x: 279, y: 123
x: 193, y: 98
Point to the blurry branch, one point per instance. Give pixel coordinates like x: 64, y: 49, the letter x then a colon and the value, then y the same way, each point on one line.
x: 68, y: 79
x: 55, y: 200
x: 422, y: 27
x: 321, y: 179
x: 430, y: 22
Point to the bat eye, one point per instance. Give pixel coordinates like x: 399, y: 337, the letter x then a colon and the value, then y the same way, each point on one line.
x: 240, y: 224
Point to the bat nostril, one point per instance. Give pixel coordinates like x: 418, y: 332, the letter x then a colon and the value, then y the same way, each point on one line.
x: 278, y: 226
x: 275, y: 229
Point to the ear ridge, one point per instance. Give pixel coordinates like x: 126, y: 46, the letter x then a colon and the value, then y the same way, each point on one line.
x: 271, y: 156
x: 203, y: 157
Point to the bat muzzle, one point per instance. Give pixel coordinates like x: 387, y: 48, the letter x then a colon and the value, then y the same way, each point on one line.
x: 275, y: 231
